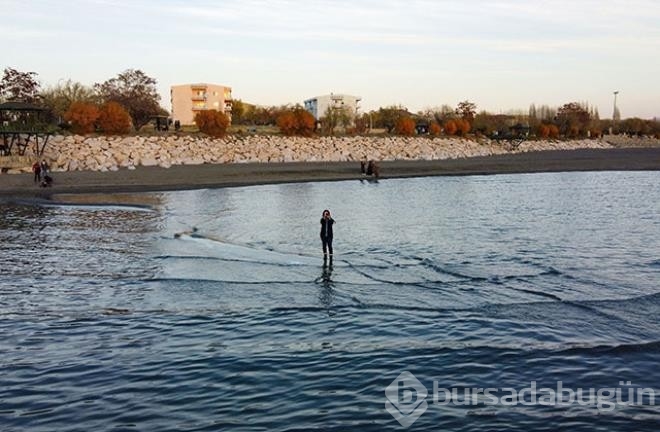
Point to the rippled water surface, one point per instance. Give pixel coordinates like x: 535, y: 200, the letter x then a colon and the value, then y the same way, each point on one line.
x: 109, y: 322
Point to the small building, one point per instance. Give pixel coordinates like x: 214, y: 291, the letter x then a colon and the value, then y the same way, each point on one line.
x: 319, y: 105
x: 188, y: 99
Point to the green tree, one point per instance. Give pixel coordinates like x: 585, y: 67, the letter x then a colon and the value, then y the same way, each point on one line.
x: 135, y: 91
x: 335, y: 117
x: 387, y: 117
x: 238, y: 112
x: 59, y: 98
x: 19, y: 86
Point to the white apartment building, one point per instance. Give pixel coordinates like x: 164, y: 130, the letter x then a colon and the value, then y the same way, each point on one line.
x: 318, y: 106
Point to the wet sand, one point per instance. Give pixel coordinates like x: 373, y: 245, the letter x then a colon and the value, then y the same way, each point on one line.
x: 144, y: 179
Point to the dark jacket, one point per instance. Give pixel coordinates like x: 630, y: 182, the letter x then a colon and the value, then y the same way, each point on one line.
x: 326, y: 227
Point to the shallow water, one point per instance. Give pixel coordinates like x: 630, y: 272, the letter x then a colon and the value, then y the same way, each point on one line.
x: 109, y: 322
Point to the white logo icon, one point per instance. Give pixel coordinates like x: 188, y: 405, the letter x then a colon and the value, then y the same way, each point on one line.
x: 406, y: 399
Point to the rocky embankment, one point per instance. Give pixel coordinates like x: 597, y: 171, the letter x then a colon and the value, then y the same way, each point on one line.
x: 100, y: 153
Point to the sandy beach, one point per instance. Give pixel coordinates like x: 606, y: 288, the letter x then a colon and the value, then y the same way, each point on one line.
x: 179, y: 177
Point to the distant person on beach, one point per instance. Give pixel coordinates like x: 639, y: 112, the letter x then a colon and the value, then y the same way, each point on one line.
x: 36, y: 169
x: 370, y: 168
x: 44, y: 167
x: 373, y: 169
x: 46, y: 179
x: 326, y: 233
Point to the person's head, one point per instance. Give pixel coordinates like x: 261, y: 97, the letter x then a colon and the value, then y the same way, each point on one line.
x: 326, y: 213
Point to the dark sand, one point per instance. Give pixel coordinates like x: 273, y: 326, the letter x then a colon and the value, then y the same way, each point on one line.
x: 180, y: 177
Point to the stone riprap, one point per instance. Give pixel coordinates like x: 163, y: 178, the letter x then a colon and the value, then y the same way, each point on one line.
x: 102, y: 153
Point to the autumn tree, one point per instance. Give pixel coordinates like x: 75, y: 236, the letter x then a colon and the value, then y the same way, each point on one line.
x: 466, y: 110
x: 82, y: 117
x: 434, y: 128
x: 59, y: 98
x: 19, y: 86
x: 573, y: 119
x: 114, y: 119
x: 450, y: 127
x: 362, y: 123
x: 462, y: 126
x: 212, y: 122
x: 405, y: 126
x: 135, y: 91
x: 296, y: 121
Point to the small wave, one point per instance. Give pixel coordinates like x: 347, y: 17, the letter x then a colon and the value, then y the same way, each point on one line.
x: 237, y: 260
x: 646, y: 347
x: 98, y: 207
x: 227, y: 281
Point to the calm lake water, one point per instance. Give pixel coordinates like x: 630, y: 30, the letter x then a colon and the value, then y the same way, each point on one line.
x: 109, y: 322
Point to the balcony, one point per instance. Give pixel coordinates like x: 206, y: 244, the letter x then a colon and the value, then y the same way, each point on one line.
x: 199, y: 107
x: 198, y: 98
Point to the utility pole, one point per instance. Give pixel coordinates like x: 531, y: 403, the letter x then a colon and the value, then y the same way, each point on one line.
x: 614, y: 112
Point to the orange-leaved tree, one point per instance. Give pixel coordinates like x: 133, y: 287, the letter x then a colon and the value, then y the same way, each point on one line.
x: 450, y: 127
x: 405, y: 126
x: 435, y: 129
x: 82, y: 117
x: 114, y: 119
x: 462, y: 126
x: 212, y: 122
x: 543, y: 131
x: 296, y: 122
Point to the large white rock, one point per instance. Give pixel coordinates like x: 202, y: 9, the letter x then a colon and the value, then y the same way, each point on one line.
x: 148, y: 161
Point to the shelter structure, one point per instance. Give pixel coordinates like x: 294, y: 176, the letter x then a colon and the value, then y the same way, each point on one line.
x: 23, y: 125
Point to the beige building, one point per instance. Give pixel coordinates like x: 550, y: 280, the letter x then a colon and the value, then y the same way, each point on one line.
x: 188, y: 99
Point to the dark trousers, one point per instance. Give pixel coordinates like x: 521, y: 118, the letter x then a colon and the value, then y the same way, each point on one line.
x: 327, y: 245
x: 37, y: 176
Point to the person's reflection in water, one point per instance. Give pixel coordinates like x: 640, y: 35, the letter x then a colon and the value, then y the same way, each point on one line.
x: 327, y: 292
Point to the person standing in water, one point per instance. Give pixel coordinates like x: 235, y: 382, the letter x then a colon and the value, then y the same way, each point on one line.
x: 326, y: 233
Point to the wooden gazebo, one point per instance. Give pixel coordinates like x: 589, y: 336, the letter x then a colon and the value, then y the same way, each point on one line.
x: 23, y: 125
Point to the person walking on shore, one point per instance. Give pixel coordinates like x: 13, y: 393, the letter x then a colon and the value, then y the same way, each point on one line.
x: 45, y: 168
x: 36, y: 169
x: 326, y: 233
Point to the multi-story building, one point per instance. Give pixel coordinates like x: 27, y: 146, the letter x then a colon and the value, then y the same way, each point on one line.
x: 188, y: 99
x: 318, y: 106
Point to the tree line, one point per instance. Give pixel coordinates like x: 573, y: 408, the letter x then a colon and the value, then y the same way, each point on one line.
x: 129, y: 100
x: 115, y: 106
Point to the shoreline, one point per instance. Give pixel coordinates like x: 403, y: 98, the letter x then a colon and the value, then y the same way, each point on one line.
x: 185, y: 177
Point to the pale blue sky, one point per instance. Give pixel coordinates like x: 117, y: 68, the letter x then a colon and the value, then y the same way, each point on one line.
x: 501, y: 55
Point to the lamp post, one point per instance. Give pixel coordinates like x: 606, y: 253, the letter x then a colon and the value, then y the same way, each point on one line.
x: 614, y: 113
